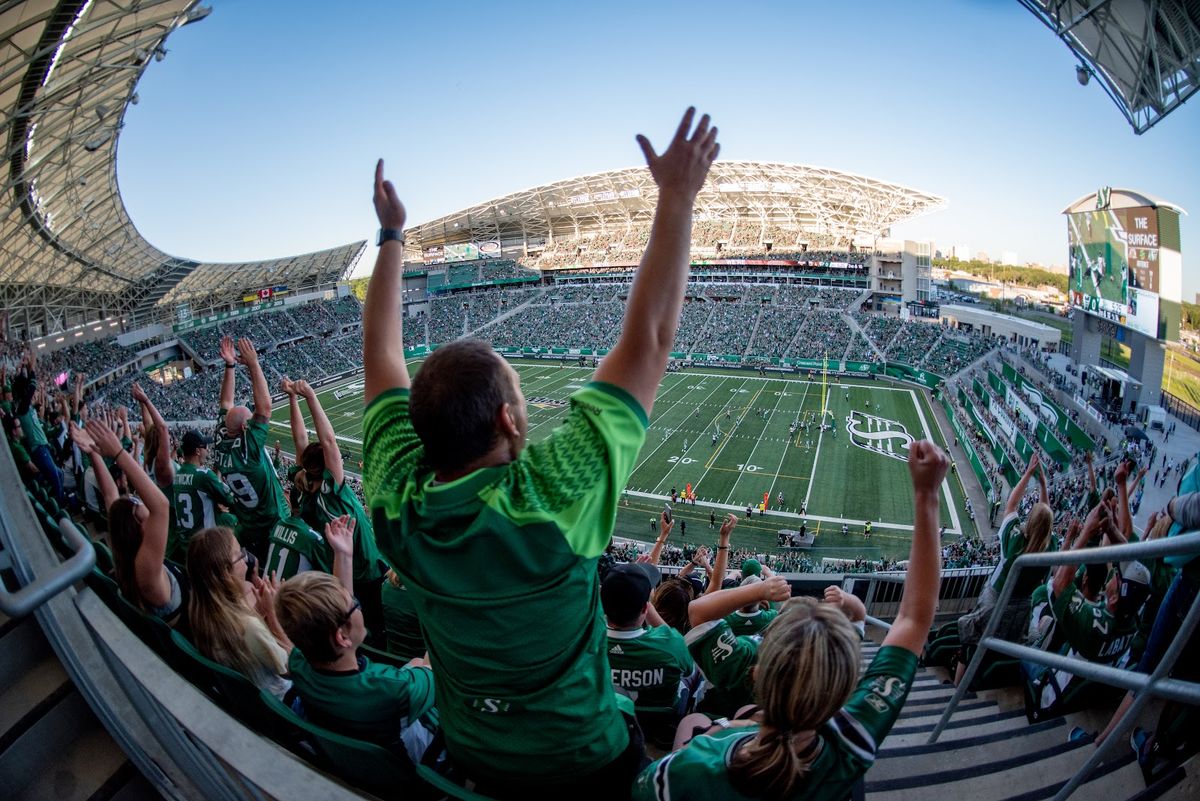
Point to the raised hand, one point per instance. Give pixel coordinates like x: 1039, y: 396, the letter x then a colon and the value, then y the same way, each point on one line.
x: 1121, y: 475
x: 340, y: 534
x: 247, y: 355
x: 1034, y: 463
x: 82, y: 438
x: 731, y: 521
x: 287, y: 387
x: 105, y: 440
x: 303, y: 389
x: 667, y: 523
x: 138, y: 393
x: 927, y: 464
x: 388, y: 207
x: 683, y: 166
x: 228, y: 353
x: 775, y: 589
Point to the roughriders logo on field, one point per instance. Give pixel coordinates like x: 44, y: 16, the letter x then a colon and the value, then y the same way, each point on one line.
x: 879, y: 434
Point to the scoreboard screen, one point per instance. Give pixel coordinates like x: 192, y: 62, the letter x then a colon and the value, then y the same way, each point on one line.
x: 1114, y: 266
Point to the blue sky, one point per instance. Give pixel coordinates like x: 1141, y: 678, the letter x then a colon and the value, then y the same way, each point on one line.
x: 257, y: 135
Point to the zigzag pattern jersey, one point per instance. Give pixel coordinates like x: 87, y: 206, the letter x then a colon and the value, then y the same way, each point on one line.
x: 501, y: 566
x: 848, y: 744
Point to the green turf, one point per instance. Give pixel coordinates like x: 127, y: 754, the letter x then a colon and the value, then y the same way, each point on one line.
x: 753, y: 454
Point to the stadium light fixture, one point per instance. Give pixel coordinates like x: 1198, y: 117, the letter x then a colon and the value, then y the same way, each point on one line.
x: 160, y: 53
x: 97, y: 142
x: 1083, y: 75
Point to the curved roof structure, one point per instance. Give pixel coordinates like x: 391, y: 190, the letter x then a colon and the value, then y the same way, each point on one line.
x: 1122, y: 198
x: 816, y: 199
x: 68, y: 251
x: 1146, y: 55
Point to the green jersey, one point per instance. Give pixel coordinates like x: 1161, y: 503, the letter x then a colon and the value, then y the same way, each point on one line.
x: 246, y: 467
x: 501, y: 565
x: 745, y: 624
x: 848, y: 743
x: 651, y: 666
x: 195, y: 492
x: 400, y: 622
x: 1090, y: 629
x: 725, y: 659
x: 294, y: 547
x: 333, y: 501
x: 375, y: 703
x: 32, y: 432
x: 1012, y: 544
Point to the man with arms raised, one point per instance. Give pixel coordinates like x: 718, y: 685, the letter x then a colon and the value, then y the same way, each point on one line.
x: 497, y: 542
x: 242, y: 451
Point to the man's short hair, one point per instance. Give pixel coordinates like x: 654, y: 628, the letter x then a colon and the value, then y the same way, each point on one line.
x: 311, y: 606
x: 455, y: 397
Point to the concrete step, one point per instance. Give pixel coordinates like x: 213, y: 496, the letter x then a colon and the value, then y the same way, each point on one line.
x: 1010, y: 723
x: 895, y: 761
x: 986, y: 778
x: 31, y: 677
x: 66, y: 756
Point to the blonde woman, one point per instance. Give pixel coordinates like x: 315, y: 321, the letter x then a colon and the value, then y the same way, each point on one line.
x: 818, y: 724
x: 226, y: 627
x: 1016, y: 538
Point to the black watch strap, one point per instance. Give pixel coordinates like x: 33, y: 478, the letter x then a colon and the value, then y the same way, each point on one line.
x: 389, y: 234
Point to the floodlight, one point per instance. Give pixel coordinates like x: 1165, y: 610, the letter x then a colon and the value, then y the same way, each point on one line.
x: 1083, y: 75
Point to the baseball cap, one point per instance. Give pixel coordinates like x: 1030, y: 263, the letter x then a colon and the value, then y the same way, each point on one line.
x: 626, y: 589
x: 1135, y: 586
x: 193, y: 441
x: 751, y: 567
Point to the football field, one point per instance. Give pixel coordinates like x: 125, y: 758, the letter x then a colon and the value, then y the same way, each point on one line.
x: 734, y: 437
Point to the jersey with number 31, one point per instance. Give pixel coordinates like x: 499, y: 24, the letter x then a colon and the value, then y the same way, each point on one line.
x: 246, y: 467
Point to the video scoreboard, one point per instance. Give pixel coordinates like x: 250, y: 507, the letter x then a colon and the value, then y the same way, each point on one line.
x: 1120, y: 268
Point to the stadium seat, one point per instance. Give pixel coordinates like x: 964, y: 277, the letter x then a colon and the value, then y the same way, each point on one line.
x: 365, y: 765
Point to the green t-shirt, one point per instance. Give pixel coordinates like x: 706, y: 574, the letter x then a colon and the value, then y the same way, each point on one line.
x: 31, y: 429
x: 849, y: 742
x: 747, y: 625
x: 294, y: 547
x: 501, y: 565
x: 374, y: 703
x: 333, y: 501
x: 1090, y: 629
x: 246, y: 468
x: 19, y: 454
x: 195, y: 492
x: 725, y: 660
x: 400, y: 622
x: 650, y: 665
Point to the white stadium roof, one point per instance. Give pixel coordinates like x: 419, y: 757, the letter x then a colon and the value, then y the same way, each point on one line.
x: 839, y: 204
x: 68, y: 251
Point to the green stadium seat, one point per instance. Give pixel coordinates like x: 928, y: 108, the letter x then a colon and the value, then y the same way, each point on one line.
x: 363, y: 764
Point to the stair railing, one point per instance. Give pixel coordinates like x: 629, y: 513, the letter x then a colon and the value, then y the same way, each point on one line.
x: 1157, y: 684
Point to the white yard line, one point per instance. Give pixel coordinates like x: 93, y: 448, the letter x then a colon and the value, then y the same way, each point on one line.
x: 771, y: 513
x: 658, y: 447
x: 788, y: 446
x: 757, y: 442
x: 955, y: 526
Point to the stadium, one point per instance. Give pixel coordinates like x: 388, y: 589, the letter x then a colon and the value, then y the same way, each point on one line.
x: 810, y: 359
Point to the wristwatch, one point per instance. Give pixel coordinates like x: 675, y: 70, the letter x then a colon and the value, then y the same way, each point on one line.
x: 389, y: 234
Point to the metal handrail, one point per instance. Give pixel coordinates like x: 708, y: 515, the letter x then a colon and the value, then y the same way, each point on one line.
x: 43, y: 588
x: 1155, y: 685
